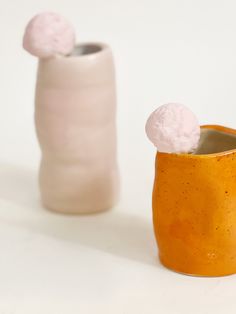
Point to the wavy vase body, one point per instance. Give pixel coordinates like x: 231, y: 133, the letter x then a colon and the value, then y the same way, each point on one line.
x: 194, y: 206
x: 75, y: 117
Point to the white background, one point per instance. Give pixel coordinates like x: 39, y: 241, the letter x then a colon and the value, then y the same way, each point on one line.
x: 165, y: 50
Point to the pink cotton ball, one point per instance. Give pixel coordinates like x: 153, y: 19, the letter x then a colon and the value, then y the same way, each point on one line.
x: 48, y: 34
x: 173, y: 128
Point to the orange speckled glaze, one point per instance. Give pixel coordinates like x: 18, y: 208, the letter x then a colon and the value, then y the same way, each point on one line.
x: 194, y: 211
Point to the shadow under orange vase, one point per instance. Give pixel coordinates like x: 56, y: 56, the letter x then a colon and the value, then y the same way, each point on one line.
x: 194, y: 206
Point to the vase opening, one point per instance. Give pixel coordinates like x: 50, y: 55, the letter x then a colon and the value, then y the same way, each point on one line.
x: 86, y: 49
x: 215, y: 141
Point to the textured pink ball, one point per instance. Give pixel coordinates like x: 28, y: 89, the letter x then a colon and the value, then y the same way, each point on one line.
x: 48, y: 34
x: 173, y: 128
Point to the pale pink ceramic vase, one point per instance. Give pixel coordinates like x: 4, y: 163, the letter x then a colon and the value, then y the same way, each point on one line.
x: 75, y: 116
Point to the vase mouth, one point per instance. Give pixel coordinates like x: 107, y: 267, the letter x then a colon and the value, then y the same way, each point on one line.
x: 87, y: 49
x: 215, y: 140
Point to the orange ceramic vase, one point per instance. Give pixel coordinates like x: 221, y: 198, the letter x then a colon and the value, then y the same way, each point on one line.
x: 194, y: 206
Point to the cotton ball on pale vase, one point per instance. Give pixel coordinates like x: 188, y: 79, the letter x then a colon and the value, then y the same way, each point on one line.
x: 48, y: 34
x: 173, y: 128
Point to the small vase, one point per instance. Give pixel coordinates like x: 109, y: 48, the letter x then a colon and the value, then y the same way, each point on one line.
x: 75, y: 117
x: 194, y: 206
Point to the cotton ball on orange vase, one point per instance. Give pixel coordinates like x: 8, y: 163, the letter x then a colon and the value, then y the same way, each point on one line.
x: 173, y: 128
x: 48, y: 34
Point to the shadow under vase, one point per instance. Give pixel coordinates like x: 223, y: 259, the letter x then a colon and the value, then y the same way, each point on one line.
x: 114, y: 232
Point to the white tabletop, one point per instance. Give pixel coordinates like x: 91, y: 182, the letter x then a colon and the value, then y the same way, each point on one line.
x: 104, y: 263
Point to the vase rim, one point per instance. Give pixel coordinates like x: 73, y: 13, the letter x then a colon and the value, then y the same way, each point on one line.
x: 87, y: 50
x: 208, y: 127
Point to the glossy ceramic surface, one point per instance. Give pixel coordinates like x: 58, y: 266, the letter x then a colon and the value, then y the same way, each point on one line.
x: 194, y: 210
